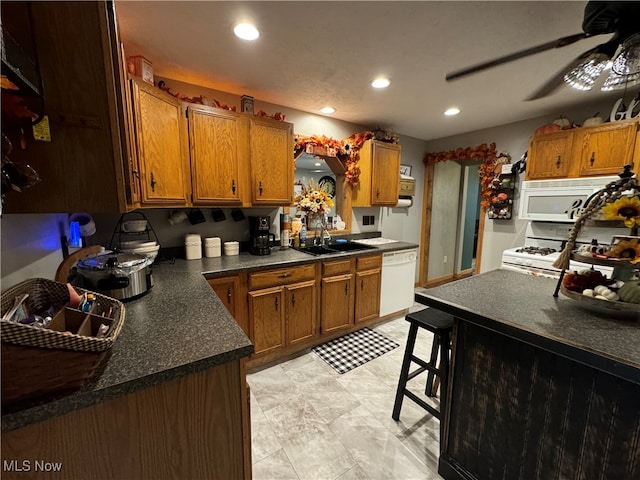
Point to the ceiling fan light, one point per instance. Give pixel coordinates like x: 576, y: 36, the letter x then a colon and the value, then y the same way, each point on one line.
x: 617, y: 82
x: 584, y: 76
x: 628, y: 60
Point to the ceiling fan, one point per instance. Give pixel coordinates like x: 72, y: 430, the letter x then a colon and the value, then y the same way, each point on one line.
x: 600, y: 18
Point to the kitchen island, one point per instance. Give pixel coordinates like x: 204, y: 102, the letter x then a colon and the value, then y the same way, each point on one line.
x: 540, y: 386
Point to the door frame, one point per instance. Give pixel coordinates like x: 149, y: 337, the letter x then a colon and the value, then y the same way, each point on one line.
x: 427, y: 207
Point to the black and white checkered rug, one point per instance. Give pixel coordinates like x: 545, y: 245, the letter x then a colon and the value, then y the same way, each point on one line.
x: 354, y: 349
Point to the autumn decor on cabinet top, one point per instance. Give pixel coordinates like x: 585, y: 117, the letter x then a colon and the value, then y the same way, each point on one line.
x: 486, y: 171
x: 347, y: 150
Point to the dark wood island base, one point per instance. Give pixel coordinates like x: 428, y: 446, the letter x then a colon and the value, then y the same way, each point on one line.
x: 539, y: 388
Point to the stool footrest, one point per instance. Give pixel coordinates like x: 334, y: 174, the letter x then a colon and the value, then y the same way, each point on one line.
x: 424, y: 367
x: 422, y: 403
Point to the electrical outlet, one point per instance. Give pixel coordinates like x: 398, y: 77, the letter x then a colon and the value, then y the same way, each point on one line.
x: 372, y: 220
x: 365, y: 220
x: 445, y: 259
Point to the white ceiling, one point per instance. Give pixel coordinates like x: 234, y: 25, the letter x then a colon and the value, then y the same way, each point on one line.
x: 311, y: 54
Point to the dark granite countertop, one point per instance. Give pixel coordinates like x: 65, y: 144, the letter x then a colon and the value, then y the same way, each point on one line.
x: 179, y: 327
x: 523, y: 307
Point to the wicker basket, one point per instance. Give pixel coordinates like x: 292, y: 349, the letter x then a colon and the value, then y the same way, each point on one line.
x: 41, y: 361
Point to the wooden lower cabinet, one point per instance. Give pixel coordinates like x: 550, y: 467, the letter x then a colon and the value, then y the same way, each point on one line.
x: 266, y: 314
x: 282, y: 316
x: 337, y: 302
x: 301, y: 311
x: 367, y: 295
x: 195, y: 426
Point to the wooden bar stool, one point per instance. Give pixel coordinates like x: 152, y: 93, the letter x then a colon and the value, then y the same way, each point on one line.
x: 441, y: 325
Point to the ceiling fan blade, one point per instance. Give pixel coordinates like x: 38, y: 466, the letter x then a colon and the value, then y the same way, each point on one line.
x: 560, y: 42
x: 557, y: 80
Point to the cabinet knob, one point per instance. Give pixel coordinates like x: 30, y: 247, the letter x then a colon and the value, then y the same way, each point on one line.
x: 229, y: 294
x: 361, y: 284
x: 276, y: 304
x: 153, y: 183
x: 558, y: 162
x: 377, y: 193
x: 293, y: 299
x: 135, y: 174
x: 593, y: 158
x: 346, y: 289
x: 260, y: 187
x: 233, y: 186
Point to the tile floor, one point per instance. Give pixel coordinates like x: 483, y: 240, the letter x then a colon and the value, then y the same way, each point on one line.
x: 309, y: 422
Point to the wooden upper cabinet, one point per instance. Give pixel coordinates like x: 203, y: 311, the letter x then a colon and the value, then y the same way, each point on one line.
x: 550, y: 155
x: 81, y: 168
x: 271, y: 152
x: 161, y: 146
x: 379, y: 164
x: 218, y: 151
x: 605, y: 149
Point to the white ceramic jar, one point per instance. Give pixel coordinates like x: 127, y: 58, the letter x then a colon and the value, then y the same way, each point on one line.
x: 231, y: 248
x: 212, y: 247
x: 192, y: 246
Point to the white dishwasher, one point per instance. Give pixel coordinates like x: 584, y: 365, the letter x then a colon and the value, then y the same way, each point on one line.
x: 398, y: 280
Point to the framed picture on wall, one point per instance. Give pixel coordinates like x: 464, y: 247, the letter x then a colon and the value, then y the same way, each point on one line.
x: 405, y: 170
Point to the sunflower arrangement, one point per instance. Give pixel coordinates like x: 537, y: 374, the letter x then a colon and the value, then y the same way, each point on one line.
x: 626, y: 249
x: 626, y: 209
x: 313, y: 199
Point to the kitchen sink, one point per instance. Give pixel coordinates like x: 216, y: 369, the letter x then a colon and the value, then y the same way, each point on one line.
x: 335, y: 248
x: 316, y: 250
x: 349, y: 247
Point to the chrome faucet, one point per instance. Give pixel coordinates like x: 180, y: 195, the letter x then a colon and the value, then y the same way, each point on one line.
x: 324, y: 240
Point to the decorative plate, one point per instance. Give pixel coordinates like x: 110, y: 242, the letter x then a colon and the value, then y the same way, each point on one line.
x: 328, y: 185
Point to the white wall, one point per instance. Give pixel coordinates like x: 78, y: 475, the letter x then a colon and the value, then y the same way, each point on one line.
x: 513, y: 139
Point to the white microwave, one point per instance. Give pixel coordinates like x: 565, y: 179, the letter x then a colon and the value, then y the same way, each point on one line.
x: 558, y: 200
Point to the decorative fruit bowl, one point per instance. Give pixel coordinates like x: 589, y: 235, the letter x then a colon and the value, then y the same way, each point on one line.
x: 611, y: 308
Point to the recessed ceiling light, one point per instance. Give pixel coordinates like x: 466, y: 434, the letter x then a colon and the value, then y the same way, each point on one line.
x: 317, y: 164
x: 246, y: 31
x: 380, y: 83
x: 327, y: 110
x: 452, y: 111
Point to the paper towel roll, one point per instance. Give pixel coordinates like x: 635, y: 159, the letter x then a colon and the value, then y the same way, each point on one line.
x: 405, y: 202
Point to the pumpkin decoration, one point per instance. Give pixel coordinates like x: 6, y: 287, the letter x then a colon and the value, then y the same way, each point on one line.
x: 548, y: 128
x: 595, y: 120
x: 630, y: 291
x: 563, y: 122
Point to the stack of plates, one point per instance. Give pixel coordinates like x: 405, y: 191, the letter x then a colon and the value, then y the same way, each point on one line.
x: 150, y: 249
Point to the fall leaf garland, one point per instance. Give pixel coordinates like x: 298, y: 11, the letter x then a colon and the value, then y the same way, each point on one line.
x: 484, y: 152
x: 346, y: 150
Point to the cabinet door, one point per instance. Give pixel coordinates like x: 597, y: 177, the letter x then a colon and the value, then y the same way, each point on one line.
x: 271, y: 151
x: 266, y: 313
x: 337, y: 302
x: 228, y: 290
x: 367, y: 301
x: 550, y: 155
x: 385, y: 174
x: 607, y: 148
x: 301, y: 311
x: 216, y: 141
x: 161, y: 145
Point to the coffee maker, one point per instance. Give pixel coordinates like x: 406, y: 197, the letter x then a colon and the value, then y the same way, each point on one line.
x: 259, y: 236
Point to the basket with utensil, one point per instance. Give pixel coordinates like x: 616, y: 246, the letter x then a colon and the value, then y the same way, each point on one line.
x: 50, y: 343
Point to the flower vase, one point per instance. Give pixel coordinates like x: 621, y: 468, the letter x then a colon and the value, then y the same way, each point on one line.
x: 314, y: 221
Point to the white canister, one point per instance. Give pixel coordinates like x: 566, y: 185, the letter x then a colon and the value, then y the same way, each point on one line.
x: 192, y: 246
x: 231, y: 248
x: 212, y: 247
